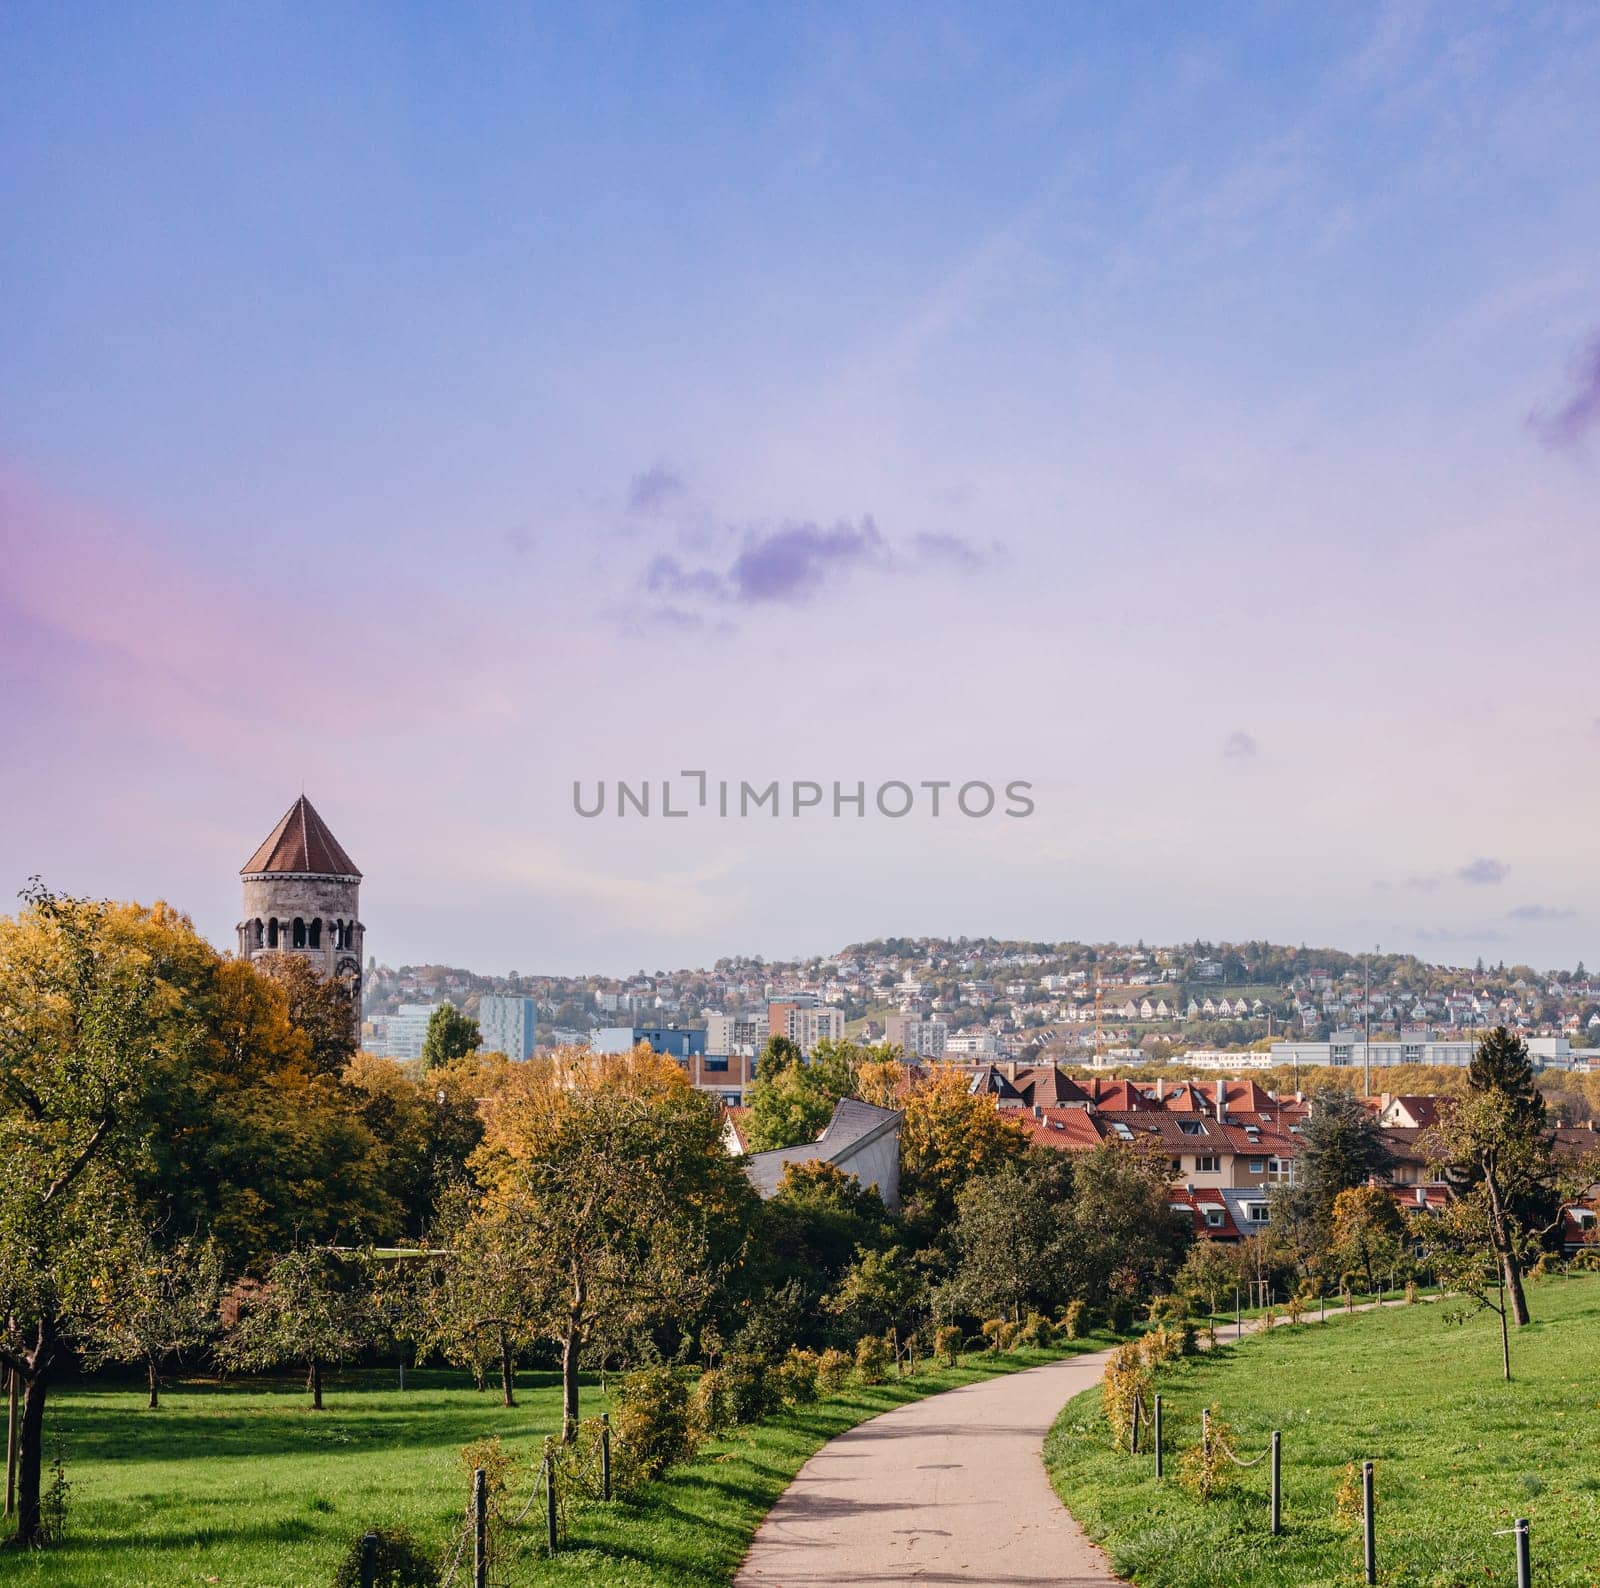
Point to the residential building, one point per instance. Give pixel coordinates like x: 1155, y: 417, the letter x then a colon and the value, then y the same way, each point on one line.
x: 508, y: 1025
x: 727, y: 1075
x: 805, y: 1025
x: 400, y: 1035
x: 860, y: 1140
x: 917, y: 1039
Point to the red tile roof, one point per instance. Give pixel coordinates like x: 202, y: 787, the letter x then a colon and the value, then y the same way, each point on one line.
x: 300, y: 842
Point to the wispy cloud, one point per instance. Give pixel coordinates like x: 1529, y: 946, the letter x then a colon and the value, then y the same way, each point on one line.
x: 1240, y: 746
x: 656, y: 488
x: 1579, y: 412
x: 796, y: 561
x: 1483, y: 872
x: 1449, y: 934
x: 793, y: 563
x: 1541, y: 912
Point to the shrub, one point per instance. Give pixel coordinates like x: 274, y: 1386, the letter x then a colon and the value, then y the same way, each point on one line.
x: 1119, y: 1315
x: 1204, y: 1468
x: 1037, y: 1331
x: 53, y: 1501
x: 795, y: 1377
x: 994, y: 1332
x: 650, y: 1424
x: 1347, y: 1498
x: 1074, y: 1320
x: 575, y: 1466
x: 947, y: 1345
x: 709, y: 1411
x: 833, y: 1371
x: 1127, y: 1377
x: 1411, y: 1292
x: 1168, y: 1309
x: 1188, y: 1338
x: 401, y: 1562
x: 748, y: 1391
x: 872, y: 1359
x: 1160, y: 1344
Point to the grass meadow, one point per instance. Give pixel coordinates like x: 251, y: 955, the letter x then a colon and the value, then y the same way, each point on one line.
x: 1459, y: 1454
x: 239, y: 1485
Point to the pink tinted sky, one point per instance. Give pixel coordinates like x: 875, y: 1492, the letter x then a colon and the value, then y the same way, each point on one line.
x: 1198, y: 421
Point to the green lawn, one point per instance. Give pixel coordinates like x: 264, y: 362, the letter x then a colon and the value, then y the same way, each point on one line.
x: 241, y: 1486
x: 1459, y: 1453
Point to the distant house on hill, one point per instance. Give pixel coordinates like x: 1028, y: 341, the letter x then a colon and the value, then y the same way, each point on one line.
x: 860, y: 1140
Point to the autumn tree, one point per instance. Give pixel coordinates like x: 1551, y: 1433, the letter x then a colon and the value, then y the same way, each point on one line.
x: 451, y: 1035
x: 1368, y: 1230
x: 313, y: 1310
x: 611, y: 1169
x: 84, y: 1011
x: 950, y: 1135
x: 792, y: 1098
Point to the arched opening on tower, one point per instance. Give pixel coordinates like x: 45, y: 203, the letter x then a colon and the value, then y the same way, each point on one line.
x: 260, y: 932
x: 299, y: 933
x: 316, y: 932
x: 272, y: 933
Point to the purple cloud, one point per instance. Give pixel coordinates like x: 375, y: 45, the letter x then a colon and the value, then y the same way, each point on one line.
x: 791, y: 564
x: 653, y: 490
x: 1240, y: 746
x: 667, y: 576
x: 1483, y: 872
x: 1568, y: 424
x: 1541, y: 912
x: 952, y: 549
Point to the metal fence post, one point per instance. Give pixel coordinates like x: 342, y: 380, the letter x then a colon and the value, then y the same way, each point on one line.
x: 369, y: 1560
x: 549, y: 1500
x: 1277, y: 1483
x: 1524, y: 1554
x: 1158, y: 1436
x: 605, y: 1455
x: 480, y: 1528
x: 1369, y: 1525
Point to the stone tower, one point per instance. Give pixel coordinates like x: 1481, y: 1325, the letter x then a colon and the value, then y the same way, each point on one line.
x: 301, y: 897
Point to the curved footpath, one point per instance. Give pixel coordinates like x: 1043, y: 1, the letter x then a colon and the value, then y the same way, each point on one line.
x: 950, y: 1489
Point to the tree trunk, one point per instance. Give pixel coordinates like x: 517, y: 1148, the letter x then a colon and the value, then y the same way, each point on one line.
x: 508, y: 1374
x: 570, y: 1348
x: 1504, y: 1242
x: 155, y: 1386
x: 30, y: 1462
x: 314, y: 1384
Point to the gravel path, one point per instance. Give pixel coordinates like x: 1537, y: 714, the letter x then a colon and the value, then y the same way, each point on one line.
x: 950, y: 1489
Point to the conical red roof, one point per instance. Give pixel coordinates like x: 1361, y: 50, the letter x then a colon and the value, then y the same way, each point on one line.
x: 301, y: 842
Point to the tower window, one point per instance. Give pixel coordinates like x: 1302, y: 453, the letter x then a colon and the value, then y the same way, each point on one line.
x: 260, y: 932
x: 299, y: 933
x: 272, y: 933
x: 316, y: 932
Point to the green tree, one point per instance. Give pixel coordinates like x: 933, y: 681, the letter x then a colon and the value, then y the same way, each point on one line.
x: 451, y: 1035
x: 314, y: 1309
x: 152, y: 1302
x: 1209, y: 1277
x: 1124, y: 1242
x: 793, y: 1098
x: 1343, y: 1146
x: 1495, y: 1145
x: 880, y: 1293
x: 1010, y: 1239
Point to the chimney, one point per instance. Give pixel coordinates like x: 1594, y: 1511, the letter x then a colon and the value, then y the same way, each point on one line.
x: 1222, y: 1100
x: 1422, y: 1196
x: 1161, y: 1088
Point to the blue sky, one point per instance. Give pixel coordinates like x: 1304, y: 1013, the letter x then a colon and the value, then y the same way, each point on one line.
x: 1194, y: 410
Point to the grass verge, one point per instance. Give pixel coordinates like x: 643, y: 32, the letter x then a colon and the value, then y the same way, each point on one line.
x: 238, y: 1485
x: 1459, y: 1453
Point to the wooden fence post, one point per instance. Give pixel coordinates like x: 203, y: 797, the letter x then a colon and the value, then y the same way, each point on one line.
x: 1277, y: 1483
x: 605, y: 1455
x: 1158, y: 1436
x: 1369, y: 1525
x: 369, y: 1560
x: 480, y: 1528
